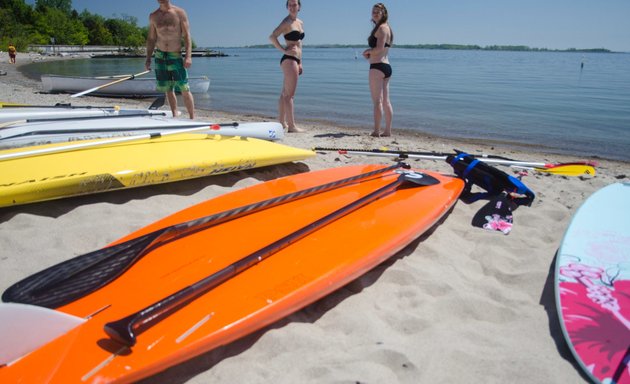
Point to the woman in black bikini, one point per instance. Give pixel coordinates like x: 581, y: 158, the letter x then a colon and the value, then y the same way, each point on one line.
x: 380, y: 40
x: 291, y: 63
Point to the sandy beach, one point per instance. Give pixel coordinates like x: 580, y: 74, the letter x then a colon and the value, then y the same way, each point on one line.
x: 459, y: 304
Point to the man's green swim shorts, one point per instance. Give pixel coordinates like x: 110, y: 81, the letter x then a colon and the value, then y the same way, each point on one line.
x: 170, y: 72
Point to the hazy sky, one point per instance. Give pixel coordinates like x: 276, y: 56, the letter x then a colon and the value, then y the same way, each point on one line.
x: 554, y: 24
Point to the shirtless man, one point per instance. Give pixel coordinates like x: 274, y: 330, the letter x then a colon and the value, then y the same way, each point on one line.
x: 167, y: 26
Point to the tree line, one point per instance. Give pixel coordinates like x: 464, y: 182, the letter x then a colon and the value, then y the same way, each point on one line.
x: 56, y: 22
x: 459, y: 47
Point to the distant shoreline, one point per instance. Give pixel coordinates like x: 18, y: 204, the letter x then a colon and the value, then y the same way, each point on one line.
x: 456, y: 47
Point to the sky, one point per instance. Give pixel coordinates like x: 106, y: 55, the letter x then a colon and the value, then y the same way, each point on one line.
x: 553, y: 24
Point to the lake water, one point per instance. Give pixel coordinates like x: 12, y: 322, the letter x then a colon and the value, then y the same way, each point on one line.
x: 542, y: 99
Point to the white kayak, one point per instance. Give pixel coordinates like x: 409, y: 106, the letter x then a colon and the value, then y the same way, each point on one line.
x: 22, y: 114
x: 46, y: 132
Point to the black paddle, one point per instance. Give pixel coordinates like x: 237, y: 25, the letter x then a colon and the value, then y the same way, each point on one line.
x: 124, y: 330
x: 406, y: 154
x: 79, y: 276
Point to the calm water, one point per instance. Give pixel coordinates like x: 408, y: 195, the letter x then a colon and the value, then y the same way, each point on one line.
x: 543, y: 99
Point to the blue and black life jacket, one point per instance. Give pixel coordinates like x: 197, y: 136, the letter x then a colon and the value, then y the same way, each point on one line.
x: 491, y: 179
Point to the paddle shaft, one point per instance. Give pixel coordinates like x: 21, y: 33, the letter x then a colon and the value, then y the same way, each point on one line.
x: 55, y: 276
x: 104, y: 142
x: 109, y: 84
x: 126, y: 329
x: 490, y: 159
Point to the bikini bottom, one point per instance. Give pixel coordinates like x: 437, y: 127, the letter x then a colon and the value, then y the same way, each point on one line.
x: 287, y: 57
x: 383, y: 67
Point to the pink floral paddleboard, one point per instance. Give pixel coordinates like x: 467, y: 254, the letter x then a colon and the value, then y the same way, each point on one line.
x: 593, y: 285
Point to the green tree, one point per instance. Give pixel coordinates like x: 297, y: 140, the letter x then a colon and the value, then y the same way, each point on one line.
x: 16, y: 18
x: 53, y: 22
x: 20, y: 11
x: 125, y: 32
x: 98, y: 34
x: 63, y: 5
x: 24, y: 24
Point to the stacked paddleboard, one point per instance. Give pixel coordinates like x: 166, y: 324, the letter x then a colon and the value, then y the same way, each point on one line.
x: 18, y: 114
x: 350, y: 219
x: 39, y: 132
x: 60, y: 170
x: 593, y: 285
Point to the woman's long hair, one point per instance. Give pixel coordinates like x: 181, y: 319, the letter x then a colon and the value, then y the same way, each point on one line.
x: 384, y: 19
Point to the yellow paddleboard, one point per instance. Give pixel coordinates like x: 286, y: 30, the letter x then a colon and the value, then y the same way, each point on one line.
x: 7, y: 104
x: 131, y: 164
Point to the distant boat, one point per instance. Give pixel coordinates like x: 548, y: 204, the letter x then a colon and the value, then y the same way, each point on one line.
x: 138, y: 87
x: 206, y: 53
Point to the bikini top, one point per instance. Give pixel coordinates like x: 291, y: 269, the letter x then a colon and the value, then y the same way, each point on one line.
x: 294, y: 36
x: 372, y: 42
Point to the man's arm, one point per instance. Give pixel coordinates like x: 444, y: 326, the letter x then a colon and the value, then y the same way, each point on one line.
x: 151, y: 40
x: 187, y: 39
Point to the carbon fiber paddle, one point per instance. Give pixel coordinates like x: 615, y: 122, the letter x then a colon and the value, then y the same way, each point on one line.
x: 126, y: 329
x: 77, y: 277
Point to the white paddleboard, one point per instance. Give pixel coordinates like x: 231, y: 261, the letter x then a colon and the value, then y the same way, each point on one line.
x: 19, y: 114
x: 592, y: 283
x: 39, y: 133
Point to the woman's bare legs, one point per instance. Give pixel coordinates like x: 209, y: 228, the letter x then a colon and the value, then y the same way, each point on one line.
x: 290, y: 69
x: 389, y: 110
x: 376, y: 90
x: 379, y: 89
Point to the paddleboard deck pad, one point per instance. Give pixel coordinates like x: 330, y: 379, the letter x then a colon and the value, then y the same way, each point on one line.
x: 294, y: 276
x: 593, y: 285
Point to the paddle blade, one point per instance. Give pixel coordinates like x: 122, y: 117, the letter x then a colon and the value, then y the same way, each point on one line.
x: 418, y: 178
x: 569, y: 170
x: 77, y: 277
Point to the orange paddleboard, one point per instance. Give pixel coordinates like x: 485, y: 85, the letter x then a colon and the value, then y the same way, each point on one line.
x: 299, y: 272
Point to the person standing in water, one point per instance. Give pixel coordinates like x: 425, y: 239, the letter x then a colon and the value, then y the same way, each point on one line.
x: 291, y: 63
x: 380, y: 40
x: 168, y: 25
